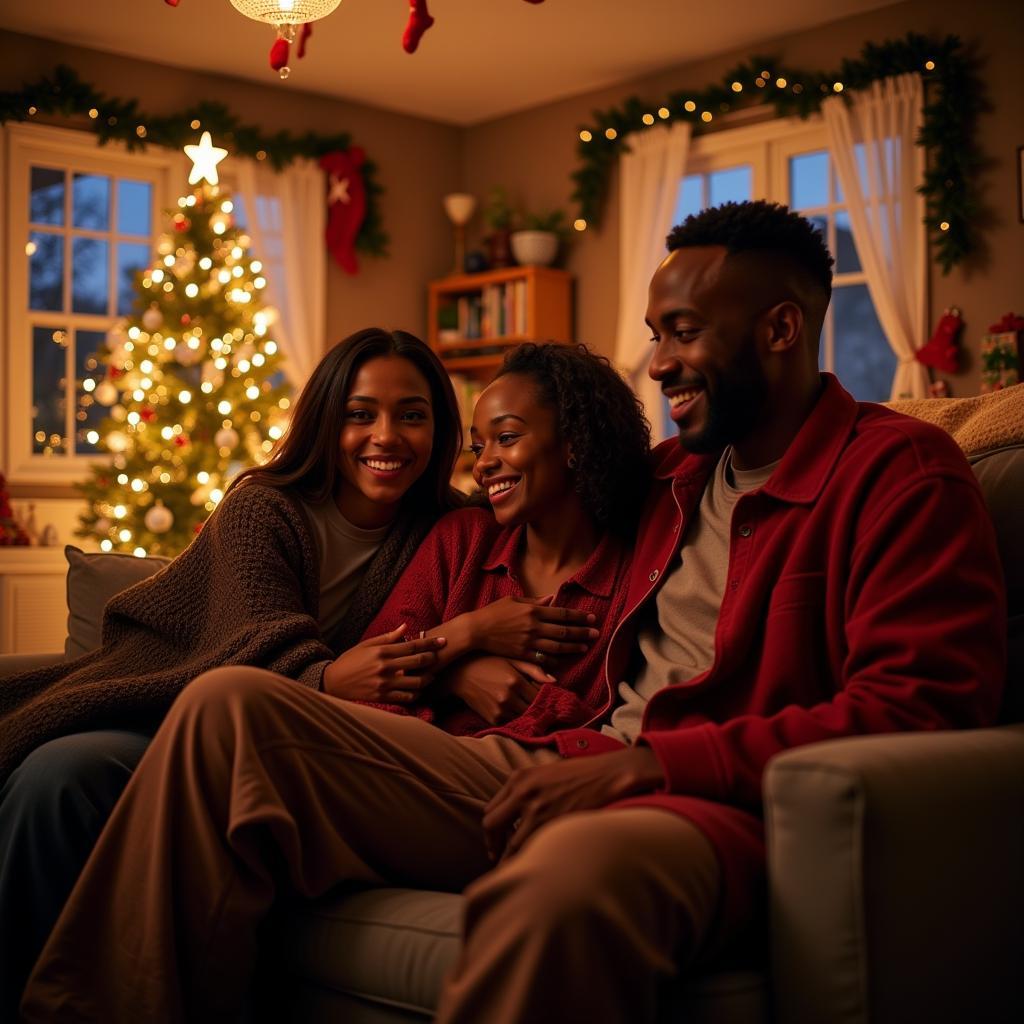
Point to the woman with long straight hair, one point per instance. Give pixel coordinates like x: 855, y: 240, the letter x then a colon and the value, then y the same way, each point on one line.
x: 285, y: 575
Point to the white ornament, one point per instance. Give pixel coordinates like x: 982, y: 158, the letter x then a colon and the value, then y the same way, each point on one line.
x: 116, y: 441
x: 226, y: 438
x: 159, y: 519
x: 152, y: 319
x: 106, y: 393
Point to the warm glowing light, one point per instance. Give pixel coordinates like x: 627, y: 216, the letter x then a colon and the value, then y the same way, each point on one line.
x: 258, y: 360
x: 219, y: 228
x: 270, y: 348
x: 260, y: 282
x: 690, y: 106
x: 237, y: 272
x: 93, y: 113
x: 944, y: 226
x: 780, y: 82
x: 169, y: 344
x: 929, y: 65
x: 216, y: 494
x: 610, y: 133
x: 579, y: 224
x: 138, y: 394
x: 275, y: 432
x: 206, y: 387
x: 252, y: 393
x: 145, y: 383
x: 706, y: 116
x: 133, y: 333
x: 192, y: 290
x: 92, y: 437
x: 221, y: 363
x: 663, y: 113
x: 146, y: 367
x: 190, y: 201
x: 255, y: 266
x: 30, y: 248
x: 166, y: 433
x: 227, y: 206
x: 205, y: 158
x: 243, y: 365
x: 122, y: 479
x: 224, y: 408
x: 120, y: 511
x: 224, y: 276
x: 648, y: 119
x: 585, y: 136
x: 838, y: 87
x: 168, y: 286
x: 133, y: 418
x: 125, y: 535
x: 205, y: 263
x: 106, y: 544
x: 139, y: 552
x: 237, y: 252
x: 203, y: 477
x: 169, y: 260
x: 138, y: 486
x: 737, y: 87
x: 184, y: 397
x: 165, y: 478
x: 88, y: 384
x: 284, y: 403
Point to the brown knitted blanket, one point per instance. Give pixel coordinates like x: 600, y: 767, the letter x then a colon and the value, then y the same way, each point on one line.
x: 245, y: 592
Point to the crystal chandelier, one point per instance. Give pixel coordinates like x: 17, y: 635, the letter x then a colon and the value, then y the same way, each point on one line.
x: 287, y: 16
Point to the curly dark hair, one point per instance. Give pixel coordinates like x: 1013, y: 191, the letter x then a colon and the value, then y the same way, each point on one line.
x: 759, y: 226
x: 603, y: 421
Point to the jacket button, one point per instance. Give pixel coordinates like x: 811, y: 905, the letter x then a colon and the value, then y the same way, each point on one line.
x: 745, y: 531
x: 653, y: 576
x: 582, y: 744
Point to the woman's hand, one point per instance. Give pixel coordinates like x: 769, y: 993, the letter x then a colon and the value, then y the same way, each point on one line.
x: 383, y: 669
x: 518, y: 627
x: 497, y: 689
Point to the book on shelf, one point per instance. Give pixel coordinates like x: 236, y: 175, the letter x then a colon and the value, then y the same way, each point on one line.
x: 496, y: 311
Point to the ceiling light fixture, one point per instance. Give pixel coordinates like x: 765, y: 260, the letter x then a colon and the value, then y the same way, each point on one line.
x: 291, y: 18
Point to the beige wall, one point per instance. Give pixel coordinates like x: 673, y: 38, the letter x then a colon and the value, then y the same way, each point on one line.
x: 533, y: 153
x: 387, y: 292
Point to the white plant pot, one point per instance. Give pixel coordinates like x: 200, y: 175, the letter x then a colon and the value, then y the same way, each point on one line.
x: 534, y: 247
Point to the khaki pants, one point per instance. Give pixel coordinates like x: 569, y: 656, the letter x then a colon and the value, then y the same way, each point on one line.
x: 255, y: 784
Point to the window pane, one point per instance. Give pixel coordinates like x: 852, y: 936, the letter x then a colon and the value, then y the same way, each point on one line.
x: 131, y: 258
x: 90, y: 202
x: 134, y: 207
x: 862, y: 170
x: 46, y: 196
x: 808, y: 180
x: 864, y: 362
x: 239, y: 213
x: 820, y: 222
x: 731, y: 185
x: 48, y: 381
x: 88, y: 373
x: 847, y: 260
x: 45, y: 271
x: 690, y: 199
x: 89, y: 274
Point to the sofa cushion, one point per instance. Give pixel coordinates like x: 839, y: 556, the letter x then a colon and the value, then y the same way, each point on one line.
x: 372, y: 951
x: 93, y: 579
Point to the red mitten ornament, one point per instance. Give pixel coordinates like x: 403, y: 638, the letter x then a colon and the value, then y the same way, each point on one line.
x: 940, y: 351
x: 346, y: 205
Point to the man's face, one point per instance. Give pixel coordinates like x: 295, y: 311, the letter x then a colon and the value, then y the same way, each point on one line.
x: 706, y: 357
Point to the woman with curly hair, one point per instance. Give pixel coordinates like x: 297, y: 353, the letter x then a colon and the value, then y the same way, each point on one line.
x: 561, y: 450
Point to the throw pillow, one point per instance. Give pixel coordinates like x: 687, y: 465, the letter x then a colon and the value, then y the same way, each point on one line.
x: 93, y: 579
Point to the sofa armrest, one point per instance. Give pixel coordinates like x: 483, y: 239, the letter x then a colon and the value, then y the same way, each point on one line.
x: 15, y: 664
x: 896, y: 868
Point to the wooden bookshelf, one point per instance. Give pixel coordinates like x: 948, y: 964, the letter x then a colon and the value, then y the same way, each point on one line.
x: 490, y: 312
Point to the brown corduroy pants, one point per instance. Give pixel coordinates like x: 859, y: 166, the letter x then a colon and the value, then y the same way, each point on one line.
x: 254, y: 784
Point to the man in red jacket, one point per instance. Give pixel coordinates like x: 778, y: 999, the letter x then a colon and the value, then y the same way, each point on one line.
x: 793, y: 581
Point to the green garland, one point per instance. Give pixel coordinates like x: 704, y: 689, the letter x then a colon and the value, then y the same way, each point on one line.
x: 65, y: 93
x: 952, y: 101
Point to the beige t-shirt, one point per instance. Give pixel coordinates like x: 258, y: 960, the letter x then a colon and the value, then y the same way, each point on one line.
x: 677, y: 632
x: 345, y: 551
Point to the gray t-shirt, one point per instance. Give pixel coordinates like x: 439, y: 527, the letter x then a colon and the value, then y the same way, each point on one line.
x: 345, y: 551
x: 677, y: 632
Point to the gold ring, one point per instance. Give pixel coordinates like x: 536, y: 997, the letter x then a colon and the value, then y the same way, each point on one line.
x: 538, y: 656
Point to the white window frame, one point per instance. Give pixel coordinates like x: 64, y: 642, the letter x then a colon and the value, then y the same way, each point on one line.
x: 767, y: 147
x: 25, y: 145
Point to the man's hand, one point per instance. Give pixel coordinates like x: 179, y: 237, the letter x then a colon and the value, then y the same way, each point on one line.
x: 497, y: 689
x: 383, y: 669
x: 533, y: 796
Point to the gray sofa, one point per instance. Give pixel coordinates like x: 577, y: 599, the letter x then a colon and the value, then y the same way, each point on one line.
x: 896, y: 869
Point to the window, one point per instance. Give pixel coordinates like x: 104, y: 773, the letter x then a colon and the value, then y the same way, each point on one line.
x: 81, y: 222
x: 787, y: 161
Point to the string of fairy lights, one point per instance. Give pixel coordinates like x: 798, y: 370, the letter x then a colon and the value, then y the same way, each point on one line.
x: 953, y: 99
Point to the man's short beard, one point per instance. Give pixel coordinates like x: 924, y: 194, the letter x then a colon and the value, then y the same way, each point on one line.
x: 733, y: 407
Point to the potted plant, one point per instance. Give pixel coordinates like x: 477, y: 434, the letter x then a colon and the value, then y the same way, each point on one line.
x: 498, y: 214
x: 537, y: 241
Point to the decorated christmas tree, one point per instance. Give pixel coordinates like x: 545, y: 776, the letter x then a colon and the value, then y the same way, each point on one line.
x: 191, y: 380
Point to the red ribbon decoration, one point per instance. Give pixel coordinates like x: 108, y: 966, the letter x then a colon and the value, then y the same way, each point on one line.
x: 1009, y: 324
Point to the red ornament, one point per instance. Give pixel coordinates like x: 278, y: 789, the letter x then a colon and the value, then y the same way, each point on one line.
x: 185, y: 318
x: 181, y: 222
x: 419, y: 21
x: 304, y: 33
x: 181, y: 440
x: 940, y: 351
x: 148, y: 413
x: 172, y: 3
x: 346, y: 205
x: 115, y: 372
x: 279, y: 53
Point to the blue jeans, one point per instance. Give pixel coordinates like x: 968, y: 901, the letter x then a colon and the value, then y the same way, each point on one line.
x: 52, y: 810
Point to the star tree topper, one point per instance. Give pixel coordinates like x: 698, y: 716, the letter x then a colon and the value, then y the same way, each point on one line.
x: 205, y: 158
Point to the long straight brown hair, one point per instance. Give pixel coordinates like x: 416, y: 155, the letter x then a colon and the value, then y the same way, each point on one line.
x: 306, y: 458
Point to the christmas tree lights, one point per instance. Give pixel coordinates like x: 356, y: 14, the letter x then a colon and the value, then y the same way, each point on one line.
x: 192, y: 381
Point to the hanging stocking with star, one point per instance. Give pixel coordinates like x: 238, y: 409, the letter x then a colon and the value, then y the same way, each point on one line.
x: 346, y: 205
x: 940, y: 351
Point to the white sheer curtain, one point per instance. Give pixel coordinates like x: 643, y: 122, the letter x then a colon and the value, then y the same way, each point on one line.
x: 286, y: 213
x: 649, y: 177
x: 879, y: 167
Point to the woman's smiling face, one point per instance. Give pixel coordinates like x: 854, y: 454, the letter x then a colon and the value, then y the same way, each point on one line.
x: 520, y: 456
x: 386, y: 441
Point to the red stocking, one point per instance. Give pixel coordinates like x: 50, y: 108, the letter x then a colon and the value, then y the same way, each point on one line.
x: 940, y: 351
x: 419, y: 21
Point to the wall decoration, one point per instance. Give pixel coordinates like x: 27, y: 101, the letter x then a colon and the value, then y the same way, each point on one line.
x: 952, y: 101
x: 64, y: 93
